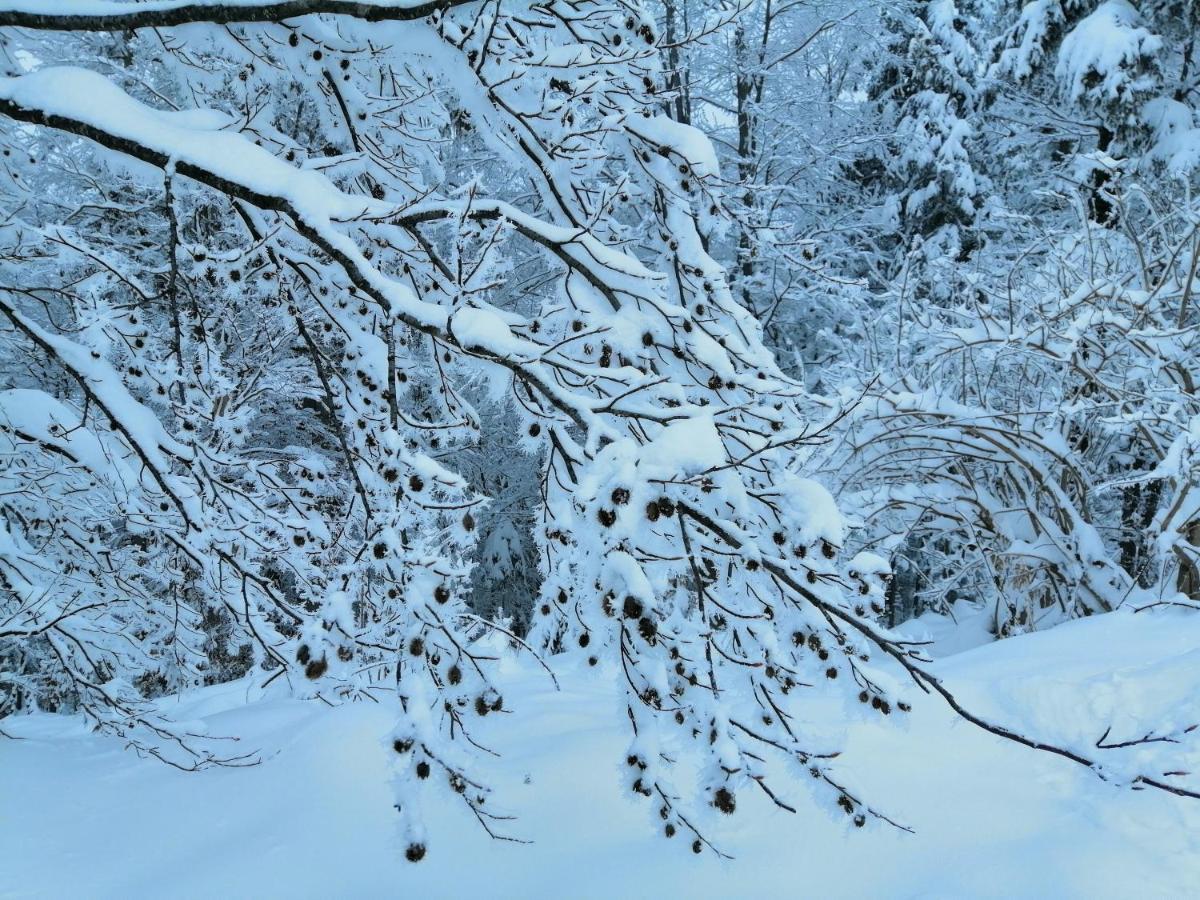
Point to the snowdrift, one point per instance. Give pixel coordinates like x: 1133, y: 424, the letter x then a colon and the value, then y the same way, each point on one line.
x: 81, y: 817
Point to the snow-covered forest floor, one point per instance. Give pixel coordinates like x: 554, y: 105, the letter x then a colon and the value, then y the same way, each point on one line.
x: 82, y: 817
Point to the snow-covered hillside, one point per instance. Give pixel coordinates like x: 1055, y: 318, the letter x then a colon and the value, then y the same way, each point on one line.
x: 81, y: 817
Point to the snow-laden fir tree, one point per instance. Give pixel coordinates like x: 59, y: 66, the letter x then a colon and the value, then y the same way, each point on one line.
x: 1127, y: 70
x: 926, y: 88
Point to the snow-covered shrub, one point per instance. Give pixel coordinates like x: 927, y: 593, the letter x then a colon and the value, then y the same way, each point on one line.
x: 1032, y: 452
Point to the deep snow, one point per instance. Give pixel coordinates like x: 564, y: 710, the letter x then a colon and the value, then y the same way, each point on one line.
x: 81, y: 817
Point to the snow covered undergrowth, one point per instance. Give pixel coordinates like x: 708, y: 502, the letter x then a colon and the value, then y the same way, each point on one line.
x: 80, y: 817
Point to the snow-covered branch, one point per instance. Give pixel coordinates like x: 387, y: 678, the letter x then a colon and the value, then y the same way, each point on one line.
x: 114, y: 15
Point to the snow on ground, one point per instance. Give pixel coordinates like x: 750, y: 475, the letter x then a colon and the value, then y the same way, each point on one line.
x: 966, y: 628
x: 80, y: 817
